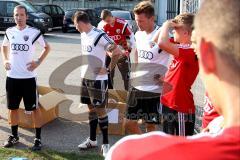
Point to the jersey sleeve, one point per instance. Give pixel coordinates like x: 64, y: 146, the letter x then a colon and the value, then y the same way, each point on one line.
x: 126, y: 30
x: 106, y: 42
x: 188, y: 55
x: 39, y: 38
x: 5, y: 40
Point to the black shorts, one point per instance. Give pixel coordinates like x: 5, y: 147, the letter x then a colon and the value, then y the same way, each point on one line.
x: 18, y: 89
x: 143, y: 105
x: 94, y: 92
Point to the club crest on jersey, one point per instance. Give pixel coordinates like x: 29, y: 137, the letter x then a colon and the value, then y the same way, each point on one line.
x: 118, y: 31
x: 26, y: 38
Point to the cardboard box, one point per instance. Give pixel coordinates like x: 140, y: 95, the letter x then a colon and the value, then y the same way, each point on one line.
x: 116, y: 110
x: 49, y: 99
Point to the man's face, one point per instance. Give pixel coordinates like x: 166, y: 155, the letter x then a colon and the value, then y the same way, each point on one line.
x: 20, y: 16
x: 109, y: 20
x: 78, y: 26
x: 179, y: 32
x: 143, y: 22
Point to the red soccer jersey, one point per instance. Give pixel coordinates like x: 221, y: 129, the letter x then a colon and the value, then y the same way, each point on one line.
x: 157, y: 146
x: 118, y: 32
x: 209, y: 112
x: 179, y: 78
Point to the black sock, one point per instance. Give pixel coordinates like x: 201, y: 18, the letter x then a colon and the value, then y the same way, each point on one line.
x: 14, y: 130
x: 103, y: 124
x: 93, y: 129
x: 38, y: 133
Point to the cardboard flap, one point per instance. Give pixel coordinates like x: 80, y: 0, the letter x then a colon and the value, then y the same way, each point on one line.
x: 51, y: 99
x: 117, y: 95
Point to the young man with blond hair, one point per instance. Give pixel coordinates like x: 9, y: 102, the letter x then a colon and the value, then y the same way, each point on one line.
x: 219, y: 56
x: 143, y: 100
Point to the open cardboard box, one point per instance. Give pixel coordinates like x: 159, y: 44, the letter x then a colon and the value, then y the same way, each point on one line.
x: 49, y: 99
x: 116, y: 109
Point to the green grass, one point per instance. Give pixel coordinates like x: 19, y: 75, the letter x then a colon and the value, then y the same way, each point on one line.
x: 5, y: 154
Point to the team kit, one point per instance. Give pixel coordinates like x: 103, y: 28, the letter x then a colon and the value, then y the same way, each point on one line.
x: 158, y: 70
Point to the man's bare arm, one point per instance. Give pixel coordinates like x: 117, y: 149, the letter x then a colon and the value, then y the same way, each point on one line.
x: 5, y: 57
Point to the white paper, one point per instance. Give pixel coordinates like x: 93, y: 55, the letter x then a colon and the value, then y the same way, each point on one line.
x: 113, y: 116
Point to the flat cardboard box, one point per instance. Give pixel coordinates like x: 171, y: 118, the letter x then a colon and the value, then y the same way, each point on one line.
x: 116, y: 109
x: 48, y: 104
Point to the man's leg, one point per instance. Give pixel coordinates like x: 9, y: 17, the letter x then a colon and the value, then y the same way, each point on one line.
x: 189, y: 124
x: 150, y: 127
x: 169, y: 120
x: 103, y: 123
x: 93, y: 122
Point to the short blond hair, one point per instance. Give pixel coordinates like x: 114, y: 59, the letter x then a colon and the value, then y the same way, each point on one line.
x: 218, y: 22
x: 185, y: 19
x: 144, y: 7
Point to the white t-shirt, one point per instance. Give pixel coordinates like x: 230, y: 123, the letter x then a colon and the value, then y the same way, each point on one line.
x: 94, y: 57
x: 22, y: 48
x: 151, y: 61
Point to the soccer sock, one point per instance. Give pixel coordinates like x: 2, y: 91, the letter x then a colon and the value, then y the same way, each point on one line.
x: 14, y: 130
x: 103, y: 123
x: 93, y: 128
x: 38, y: 133
x: 93, y: 122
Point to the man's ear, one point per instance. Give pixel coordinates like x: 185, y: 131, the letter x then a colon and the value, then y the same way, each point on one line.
x: 207, y: 56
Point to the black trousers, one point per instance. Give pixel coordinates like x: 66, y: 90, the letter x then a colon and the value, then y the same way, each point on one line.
x: 177, y: 123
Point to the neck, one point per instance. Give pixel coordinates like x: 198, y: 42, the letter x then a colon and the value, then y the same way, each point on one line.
x: 88, y: 28
x: 21, y: 27
x: 113, y: 21
x: 150, y: 28
x: 231, y: 103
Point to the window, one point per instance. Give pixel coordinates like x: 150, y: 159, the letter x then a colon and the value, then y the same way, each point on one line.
x: 54, y: 10
x: 10, y: 8
x: 2, y: 10
x: 47, y: 9
x: 60, y: 11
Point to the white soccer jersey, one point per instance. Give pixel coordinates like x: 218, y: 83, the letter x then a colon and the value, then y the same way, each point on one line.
x: 22, y: 49
x: 94, y: 46
x: 151, y: 61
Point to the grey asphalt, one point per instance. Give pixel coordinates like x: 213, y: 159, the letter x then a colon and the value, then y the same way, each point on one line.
x: 66, y: 132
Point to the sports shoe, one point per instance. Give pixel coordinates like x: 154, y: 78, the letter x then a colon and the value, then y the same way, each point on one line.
x: 105, y: 149
x: 37, y: 145
x: 87, y: 144
x: 11, y: 141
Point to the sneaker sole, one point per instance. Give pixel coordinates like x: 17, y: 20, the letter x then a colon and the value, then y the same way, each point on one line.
x: 87, y: 148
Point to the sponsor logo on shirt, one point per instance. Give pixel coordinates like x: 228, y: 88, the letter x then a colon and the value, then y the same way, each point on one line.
x: 19, y: 47
x: 115, y: 38
x: 145, y: 54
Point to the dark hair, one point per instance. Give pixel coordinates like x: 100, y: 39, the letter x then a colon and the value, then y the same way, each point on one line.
x: 21, y: 7
x: 81, y: 16
x: 144, y: 7
x: 106, y: 13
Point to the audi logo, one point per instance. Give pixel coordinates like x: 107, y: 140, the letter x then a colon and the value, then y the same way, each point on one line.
x: 87, y: 48
x: 145, y: 54
x: 19, y: 47
x: 115, y: 38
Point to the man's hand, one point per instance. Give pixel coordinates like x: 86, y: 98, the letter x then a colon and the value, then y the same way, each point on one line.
x: 158, y: 79
x: 101, y: 71
x: 31, y: 66
x: 7, y: 65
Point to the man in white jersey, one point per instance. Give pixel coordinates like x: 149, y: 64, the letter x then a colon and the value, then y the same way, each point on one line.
x: 21, y: 76
x: 95, y: 43
x: 144, y: 94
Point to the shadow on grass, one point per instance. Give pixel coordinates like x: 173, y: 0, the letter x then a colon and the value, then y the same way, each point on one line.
x: 47, y: 155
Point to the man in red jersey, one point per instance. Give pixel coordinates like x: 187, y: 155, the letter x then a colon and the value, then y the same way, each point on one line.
x: 178, y: 105
x: 117, y: 29
x: 219, y: 56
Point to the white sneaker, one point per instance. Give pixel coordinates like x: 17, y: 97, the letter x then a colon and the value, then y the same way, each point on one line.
x: 105, y: 149
x: 87, y: 144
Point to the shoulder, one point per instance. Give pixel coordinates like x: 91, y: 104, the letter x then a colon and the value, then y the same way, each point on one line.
x: 121, y: 21
x: 98, y: 31
x: 10, y: 29
x: 33, y: 30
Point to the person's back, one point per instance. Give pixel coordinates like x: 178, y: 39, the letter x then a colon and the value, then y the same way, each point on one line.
x: 219, y: 57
